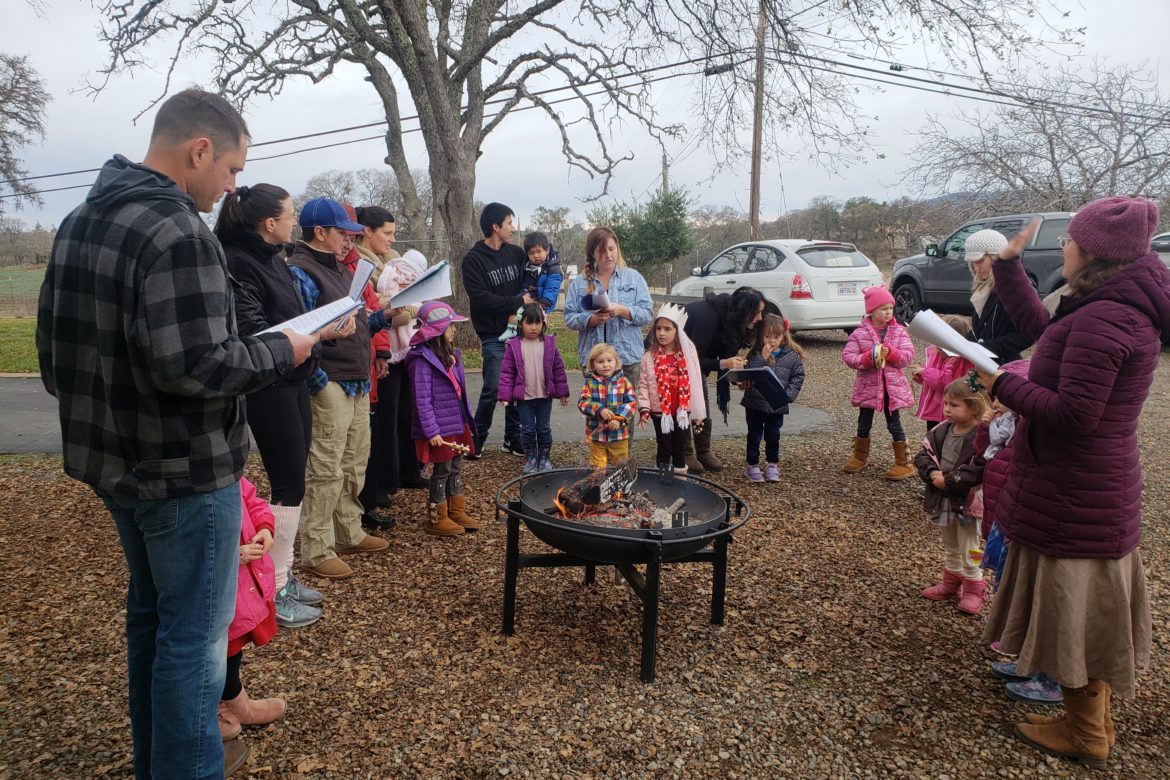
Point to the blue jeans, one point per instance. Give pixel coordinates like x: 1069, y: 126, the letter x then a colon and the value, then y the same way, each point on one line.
x: 535, y: 430
x: 184, y: 557
x: 766, y: 427
x: 493, y: 361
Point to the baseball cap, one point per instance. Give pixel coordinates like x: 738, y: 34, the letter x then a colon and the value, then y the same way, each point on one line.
x: 327, y: 213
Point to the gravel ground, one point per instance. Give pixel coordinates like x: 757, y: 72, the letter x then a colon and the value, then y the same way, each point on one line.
x: 829, y: 665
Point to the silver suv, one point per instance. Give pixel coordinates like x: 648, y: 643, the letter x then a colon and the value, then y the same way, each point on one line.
x: 939, y: 279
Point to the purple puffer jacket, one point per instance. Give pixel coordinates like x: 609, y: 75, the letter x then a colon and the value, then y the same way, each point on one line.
x: 1074, y: 489
x: 872, y: 384
x: 438, y: 409
x: 556, y: 380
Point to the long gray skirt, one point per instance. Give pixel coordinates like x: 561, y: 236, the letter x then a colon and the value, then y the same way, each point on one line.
x: 1075, y: 619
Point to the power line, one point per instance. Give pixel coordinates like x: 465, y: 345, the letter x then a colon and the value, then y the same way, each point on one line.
x: 377, y: 123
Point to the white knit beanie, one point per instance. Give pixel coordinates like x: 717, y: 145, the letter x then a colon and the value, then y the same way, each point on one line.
x: 983, y: 242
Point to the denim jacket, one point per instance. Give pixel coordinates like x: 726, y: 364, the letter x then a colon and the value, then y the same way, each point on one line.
x: 626, y: 287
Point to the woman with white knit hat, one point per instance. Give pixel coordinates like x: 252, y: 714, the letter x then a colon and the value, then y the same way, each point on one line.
x: 990, y: 324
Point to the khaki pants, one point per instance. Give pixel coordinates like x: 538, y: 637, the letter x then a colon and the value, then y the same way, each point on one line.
x: 334, y: 474
x: 615, y: 453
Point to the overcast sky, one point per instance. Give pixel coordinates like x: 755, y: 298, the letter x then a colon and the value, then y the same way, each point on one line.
x: 521, y: 163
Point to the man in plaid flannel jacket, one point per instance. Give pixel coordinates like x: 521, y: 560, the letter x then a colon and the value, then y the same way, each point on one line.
x: 136, y: 337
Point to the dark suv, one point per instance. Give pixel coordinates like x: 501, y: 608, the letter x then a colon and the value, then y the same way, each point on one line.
x: 940, y: 279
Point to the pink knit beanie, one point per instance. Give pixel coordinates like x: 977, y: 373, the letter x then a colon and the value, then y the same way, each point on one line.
x: 1115, y: 228
x: 877, y: 297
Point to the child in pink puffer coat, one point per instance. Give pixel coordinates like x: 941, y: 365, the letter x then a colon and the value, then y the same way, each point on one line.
x: 940, y: 370
x: 878, y: 350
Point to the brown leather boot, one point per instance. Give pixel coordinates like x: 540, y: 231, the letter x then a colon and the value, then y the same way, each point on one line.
x: 255, y: 712
x: 1047, y: 720
x: 438, y: 523
x: 693, y: 465
x: 229, y: 727
x: 901, y: 469
x: 703, y: 449
x: 1081, y: 733
x: 235, y: 753
x: 860, y: 455
x: 457, y: 511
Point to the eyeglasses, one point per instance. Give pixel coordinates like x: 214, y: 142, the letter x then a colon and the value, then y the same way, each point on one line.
x: 1063, y: 241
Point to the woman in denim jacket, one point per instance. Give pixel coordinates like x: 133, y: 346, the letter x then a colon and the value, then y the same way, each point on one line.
x: 630, y: 306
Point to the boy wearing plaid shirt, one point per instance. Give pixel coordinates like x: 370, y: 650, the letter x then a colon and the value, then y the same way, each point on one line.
x: 608, y: 402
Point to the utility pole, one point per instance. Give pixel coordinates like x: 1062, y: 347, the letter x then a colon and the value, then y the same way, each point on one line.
x: 758, y: 125
x: 665, y: 174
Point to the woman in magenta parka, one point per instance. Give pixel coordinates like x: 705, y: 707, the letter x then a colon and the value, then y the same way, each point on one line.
x: 1073, y: 600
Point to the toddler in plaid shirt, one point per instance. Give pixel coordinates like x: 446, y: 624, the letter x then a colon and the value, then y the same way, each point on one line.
x: 608, y: 403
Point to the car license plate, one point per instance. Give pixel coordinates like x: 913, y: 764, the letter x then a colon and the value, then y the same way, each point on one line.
x: 847, y: 289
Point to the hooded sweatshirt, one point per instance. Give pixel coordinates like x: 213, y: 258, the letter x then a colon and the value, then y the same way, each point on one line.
x: 493, y: 279
x: 136, y: 337
x: 1074, y: 488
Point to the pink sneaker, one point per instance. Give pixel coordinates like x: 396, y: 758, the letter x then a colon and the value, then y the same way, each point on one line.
x: 753, y: 474
x: 772, y: 472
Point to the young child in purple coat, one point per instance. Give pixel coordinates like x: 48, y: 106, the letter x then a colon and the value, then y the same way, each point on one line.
x: 532, y: 375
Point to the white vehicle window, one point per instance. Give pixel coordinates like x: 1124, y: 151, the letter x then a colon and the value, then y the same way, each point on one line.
x: 1050, y: 230
x: 733, y: 261
x: 833, y: 257
x: 762, y: 258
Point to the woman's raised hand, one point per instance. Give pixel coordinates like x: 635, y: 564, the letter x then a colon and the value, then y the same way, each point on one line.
x: 1015, y: 247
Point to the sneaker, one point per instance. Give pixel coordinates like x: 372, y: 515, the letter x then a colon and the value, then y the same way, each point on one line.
x: 1006, y: 670
x: 772, y: 472
x: 1040, y: 689
x: 514, y: 447
x: 291, y: 613
x: 302, y: 592
x: 753, y: 474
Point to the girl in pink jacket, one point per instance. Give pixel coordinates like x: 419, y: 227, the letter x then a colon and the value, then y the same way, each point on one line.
x: 940, y: 370
x: 255, y: 618
x: 878, y: 350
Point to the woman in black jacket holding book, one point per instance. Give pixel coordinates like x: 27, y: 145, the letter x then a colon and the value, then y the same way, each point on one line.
x: 254, y: 224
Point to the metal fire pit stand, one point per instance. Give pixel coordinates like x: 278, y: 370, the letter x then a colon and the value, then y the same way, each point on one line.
x: 645, y: 587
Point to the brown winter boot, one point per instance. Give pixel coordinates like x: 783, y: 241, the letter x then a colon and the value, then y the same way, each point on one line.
x: 703, y: 449
x: 693, y: 465
x: 254, y: 712
x: 901, y: 469
x: 457, y: 511
x: 229, y: 727
x: 1081, y: 733
x: 860, y: 455
x: 438, y: 523
x: 1046, y: 720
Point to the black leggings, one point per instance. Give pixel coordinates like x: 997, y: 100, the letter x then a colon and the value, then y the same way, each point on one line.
x: 231, y: 684
x: 893, y: 424
x: 282, y: 423
x: 672, y: 447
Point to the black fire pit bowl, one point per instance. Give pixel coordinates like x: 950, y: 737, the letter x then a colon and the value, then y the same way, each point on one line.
x: 695, y: 527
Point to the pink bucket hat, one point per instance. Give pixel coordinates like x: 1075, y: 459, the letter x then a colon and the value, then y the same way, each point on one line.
x: 876, y: 297
x: 433, y: 319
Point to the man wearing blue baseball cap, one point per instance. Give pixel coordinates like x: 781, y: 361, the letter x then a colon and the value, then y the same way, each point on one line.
x: 340, y: 397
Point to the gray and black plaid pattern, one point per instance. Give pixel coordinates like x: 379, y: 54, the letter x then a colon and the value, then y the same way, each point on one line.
x: 136, y: 337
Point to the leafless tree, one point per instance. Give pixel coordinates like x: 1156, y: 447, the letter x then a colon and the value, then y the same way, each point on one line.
x: 1082, y: 135
x: 22, y: 119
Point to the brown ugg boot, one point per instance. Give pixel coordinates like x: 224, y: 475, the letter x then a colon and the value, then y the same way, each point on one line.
x: 457, y: 511
x: 703, y: 454
x: 438, y: 523
x: 1046, y: 720
x: 229, y: 727
x: 860, y: 455
x: 255, y: 712
x: 1081, y: 733
x: 901, y: 468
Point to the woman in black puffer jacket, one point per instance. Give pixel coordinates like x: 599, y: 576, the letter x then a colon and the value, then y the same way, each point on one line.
x: 990, y: 324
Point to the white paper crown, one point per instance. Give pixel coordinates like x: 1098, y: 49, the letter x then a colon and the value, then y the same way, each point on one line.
x: 676, y: 314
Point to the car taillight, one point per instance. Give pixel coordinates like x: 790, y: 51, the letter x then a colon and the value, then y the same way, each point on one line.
x: 800, y: 287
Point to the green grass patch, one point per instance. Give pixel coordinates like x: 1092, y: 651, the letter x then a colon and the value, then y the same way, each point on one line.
x: 22, y: 280
x: 566, y: 343
x: 18, y: 349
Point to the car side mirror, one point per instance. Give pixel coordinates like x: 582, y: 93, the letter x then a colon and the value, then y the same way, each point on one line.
x: 696, y: 271
x: 932, y: 250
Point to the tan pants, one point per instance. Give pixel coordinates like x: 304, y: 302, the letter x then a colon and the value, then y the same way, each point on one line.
x: 615, y: 453
x: 336, y: 469
x: 960, y: 543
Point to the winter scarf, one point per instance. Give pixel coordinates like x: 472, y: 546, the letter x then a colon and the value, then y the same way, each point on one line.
x: 674, y: 388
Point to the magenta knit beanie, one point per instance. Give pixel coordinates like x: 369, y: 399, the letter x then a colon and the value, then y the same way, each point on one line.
x: 877, y: 297
x: 1115, y: 228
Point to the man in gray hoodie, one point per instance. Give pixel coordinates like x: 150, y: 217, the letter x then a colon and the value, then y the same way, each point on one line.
x: 136, y: 337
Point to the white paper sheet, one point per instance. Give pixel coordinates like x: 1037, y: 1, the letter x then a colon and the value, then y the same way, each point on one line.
x: 929, y: 327
x: 313, y: 321
x: 434, y: 283
x: 361, y: 274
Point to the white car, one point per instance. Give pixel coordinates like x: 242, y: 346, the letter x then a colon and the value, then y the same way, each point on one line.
x: 1161, y: 244
x: 816, y: 284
